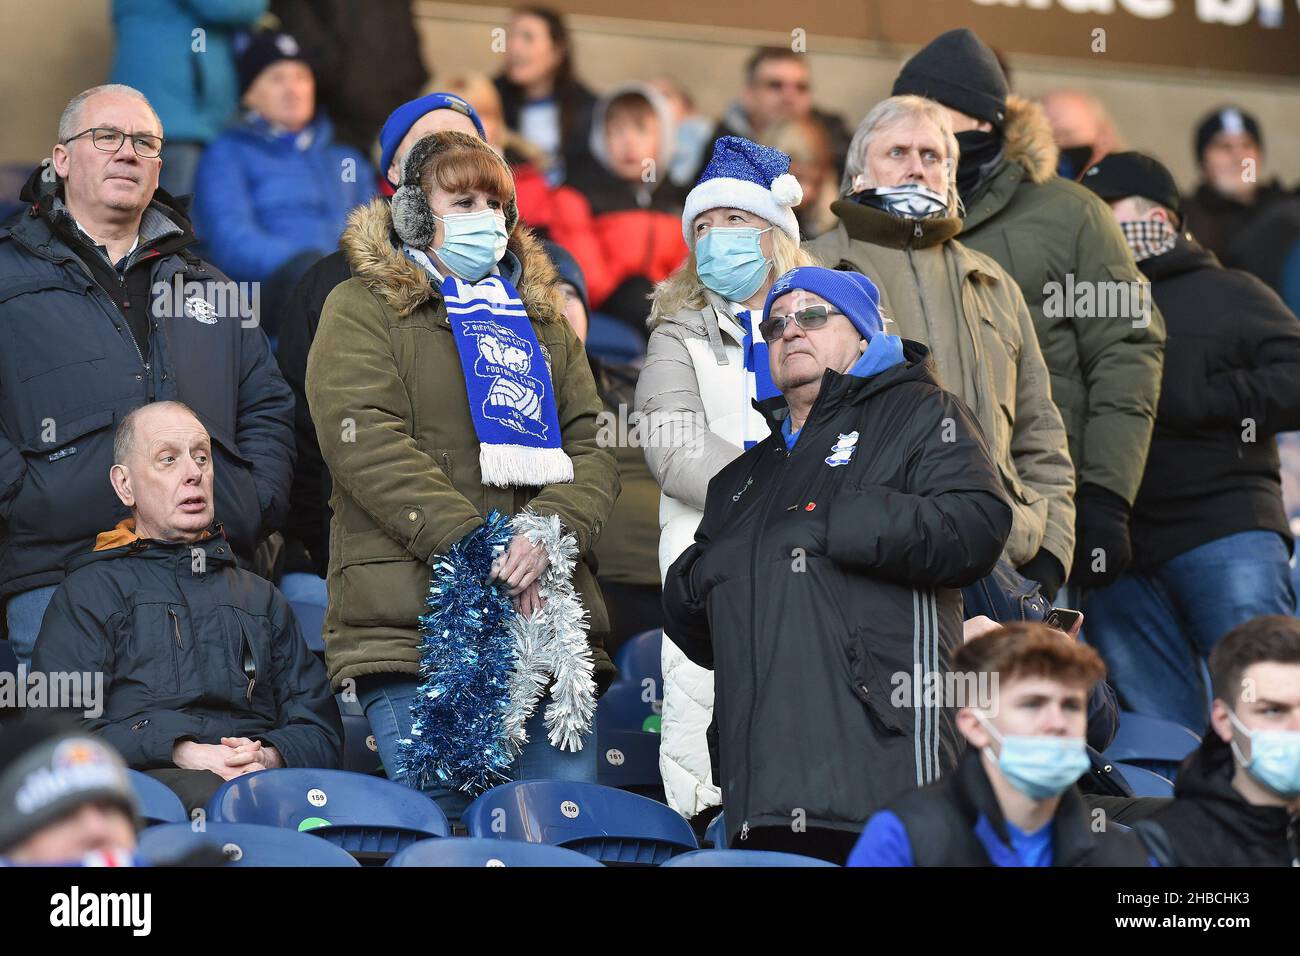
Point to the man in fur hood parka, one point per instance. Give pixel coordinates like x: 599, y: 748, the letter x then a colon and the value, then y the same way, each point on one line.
x: 1055, y: 238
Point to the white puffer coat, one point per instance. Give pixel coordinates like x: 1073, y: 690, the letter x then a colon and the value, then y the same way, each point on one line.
x: 695, y: 400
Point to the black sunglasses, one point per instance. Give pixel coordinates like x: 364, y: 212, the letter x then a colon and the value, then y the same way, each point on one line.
x: 808, y: 318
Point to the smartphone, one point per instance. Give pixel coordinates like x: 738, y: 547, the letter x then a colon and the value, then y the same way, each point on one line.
x: 1062, y: 618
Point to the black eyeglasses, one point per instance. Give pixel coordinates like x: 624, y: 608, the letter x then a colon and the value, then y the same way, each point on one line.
x: 110, y: 141
x: 809, y: 318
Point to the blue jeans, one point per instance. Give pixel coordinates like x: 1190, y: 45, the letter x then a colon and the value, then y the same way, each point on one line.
x: 1155, y: 629
x: 386, y: 699
x: 298, y: 587
x: 23, y: 614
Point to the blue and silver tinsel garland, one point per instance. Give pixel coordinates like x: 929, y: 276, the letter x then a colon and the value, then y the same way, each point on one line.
x: 484, y: 667
x: 458, y: 737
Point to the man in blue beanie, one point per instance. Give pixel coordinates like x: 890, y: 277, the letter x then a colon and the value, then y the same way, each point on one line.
x: 832, y: 552
x: 307, y: 533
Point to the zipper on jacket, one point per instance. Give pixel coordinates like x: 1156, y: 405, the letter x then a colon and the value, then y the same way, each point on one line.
x: 148, y: 376
x: 176, y: 631
x: 250, y: 669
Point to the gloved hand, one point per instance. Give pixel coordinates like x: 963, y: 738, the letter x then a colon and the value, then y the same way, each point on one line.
x: 1047, y: 571
x: 1101, y: 537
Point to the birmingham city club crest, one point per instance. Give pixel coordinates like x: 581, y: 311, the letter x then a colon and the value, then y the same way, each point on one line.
x: 842, y: 450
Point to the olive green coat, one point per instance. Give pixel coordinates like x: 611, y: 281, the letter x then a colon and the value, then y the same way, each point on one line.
x: 388, y: 397
x: 1105, y: 370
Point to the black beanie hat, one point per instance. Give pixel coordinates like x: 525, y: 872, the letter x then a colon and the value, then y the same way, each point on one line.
x: 254, y: 52
x: 1230, y: 119
x: 960, y: 71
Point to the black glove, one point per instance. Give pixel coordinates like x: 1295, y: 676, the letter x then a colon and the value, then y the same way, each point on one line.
x: 1047, y: 571
x: 1100, y: 537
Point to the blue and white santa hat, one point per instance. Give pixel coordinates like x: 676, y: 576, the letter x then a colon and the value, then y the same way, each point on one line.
x: 851, y: 293
x: 744, y: 175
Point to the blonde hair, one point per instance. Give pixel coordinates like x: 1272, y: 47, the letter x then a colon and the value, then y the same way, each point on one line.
x: 684, y: 290
x: 478, y: 90
x: 885, y: 114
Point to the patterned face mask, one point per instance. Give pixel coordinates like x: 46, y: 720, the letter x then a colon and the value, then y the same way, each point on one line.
x: 1148, y: 238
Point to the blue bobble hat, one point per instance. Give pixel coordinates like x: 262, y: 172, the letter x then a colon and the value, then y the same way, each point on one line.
x: 850, y: 292
x: 401, y: 120
x: 744, y: 175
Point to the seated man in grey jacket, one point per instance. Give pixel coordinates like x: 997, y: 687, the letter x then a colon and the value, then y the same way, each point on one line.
x: 206, y: 674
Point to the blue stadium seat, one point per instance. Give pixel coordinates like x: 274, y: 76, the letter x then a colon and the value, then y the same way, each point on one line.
x: 244, y: 844
x: 369, y: 817
x: 639, y: 658
x: 744, y: 858
x: 715, y: 834
x: 629, y: 760
x: 1145, y: 783
x: 1152, y: 743
x: 606, y: 824
x: 360, y: 753
x: 621, y: 708
x: 612, y: 340
x: 158, y: 802
x: 468, y: 851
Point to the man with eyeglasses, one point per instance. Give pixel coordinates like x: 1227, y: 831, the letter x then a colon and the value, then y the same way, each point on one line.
x: 104, y: 308
x: 897, y: 223
x: 778, y: 88
x: 827, y: 564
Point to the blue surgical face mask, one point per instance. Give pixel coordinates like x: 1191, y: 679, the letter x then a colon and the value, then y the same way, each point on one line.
x: 472, y: 242
x: 1274, y: 758
x: 730, y: 261
x: 1039, y: 767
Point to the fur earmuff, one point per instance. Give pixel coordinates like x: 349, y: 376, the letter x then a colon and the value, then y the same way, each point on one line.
x: 412, y: 216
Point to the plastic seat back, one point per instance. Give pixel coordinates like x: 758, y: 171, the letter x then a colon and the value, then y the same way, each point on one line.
x: 370, y: 817
x: 158, y: 802
x: 610, y: 825
x: 744, y: 858
x: 468, y: 851
x: 243, y: 844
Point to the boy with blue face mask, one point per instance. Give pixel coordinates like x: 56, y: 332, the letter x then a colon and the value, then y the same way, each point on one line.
x: 1012, y: 800
x: 1237, y: 799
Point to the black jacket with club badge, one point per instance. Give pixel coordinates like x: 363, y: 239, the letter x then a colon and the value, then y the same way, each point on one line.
x: 822, y: 595
x: 71, y: 370
x: 191, y: 648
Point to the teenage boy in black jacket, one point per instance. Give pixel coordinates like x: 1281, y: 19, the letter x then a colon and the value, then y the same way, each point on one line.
x: 1013, y: 799
x: 1237, y: 799
x: 1211, y: 543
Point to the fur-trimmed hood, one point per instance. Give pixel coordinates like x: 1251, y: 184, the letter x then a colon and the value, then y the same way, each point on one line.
x: 1029, y: 140
x: 374, y: 253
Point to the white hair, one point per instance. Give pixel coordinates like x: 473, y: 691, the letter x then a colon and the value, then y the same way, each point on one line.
x: 71, y: 118
x: 885, y: 114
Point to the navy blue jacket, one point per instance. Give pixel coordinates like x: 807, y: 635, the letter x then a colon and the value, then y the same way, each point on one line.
x: 191, y: 648
x: 70, y: 370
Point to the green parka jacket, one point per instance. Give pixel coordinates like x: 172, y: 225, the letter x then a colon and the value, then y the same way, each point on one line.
x: 387, y: 395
